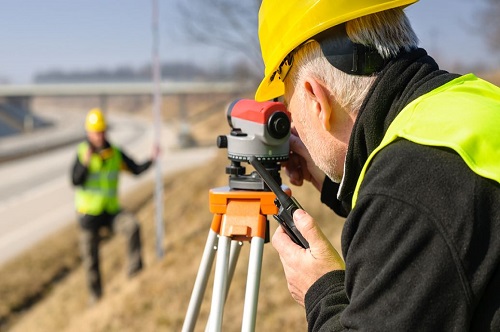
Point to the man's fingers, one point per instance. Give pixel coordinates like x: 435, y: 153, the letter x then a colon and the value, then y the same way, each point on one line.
x: 308, y: 227
x: 297, y: 146
x: 321, y: 248
x: 294, y: 170
x: 280, y: 238
x: 282, y: 243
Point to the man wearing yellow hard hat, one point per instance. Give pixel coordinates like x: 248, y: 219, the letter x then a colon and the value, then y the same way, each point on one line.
x: 95, y: 174
x: 407, y: 152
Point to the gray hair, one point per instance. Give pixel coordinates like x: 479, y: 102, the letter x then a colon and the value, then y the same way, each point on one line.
x: 388, y: 32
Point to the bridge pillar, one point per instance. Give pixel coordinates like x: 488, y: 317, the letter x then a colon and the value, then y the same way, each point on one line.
x: 23, y: 105
x: 184, y: 137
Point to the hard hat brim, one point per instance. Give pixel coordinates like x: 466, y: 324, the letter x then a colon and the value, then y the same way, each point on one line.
x: 269, y: 89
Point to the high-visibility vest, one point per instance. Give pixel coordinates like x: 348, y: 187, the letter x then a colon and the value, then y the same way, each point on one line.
x: 463, y: 115
x: 99, y: 192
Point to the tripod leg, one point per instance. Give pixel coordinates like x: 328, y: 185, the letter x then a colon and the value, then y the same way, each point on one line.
x: 253, y: 284
x: 200, y: 284
x: 220, y: 282
x: 233, y: 259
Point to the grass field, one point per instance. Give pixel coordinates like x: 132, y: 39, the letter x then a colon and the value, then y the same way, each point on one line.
x: 45, y: 289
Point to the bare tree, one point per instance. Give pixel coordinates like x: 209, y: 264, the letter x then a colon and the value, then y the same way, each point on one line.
x: 230, y: 24
x: 490, y: 18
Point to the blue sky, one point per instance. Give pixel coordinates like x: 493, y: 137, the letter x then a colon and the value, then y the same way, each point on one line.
x: 88, y: 34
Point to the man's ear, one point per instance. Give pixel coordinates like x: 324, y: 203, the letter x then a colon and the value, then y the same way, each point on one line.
x: 317, y: 95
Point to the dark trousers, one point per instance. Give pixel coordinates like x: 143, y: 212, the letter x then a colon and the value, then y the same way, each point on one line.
x: 90, y: 238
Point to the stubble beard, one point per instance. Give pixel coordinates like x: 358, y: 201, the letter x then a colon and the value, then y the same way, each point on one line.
x: 323, y: 151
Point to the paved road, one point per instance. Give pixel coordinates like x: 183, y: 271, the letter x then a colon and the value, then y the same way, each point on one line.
x: 36, y: 196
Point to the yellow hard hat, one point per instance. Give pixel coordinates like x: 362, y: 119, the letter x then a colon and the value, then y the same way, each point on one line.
x: 284, y: 25
x: 95, y: 120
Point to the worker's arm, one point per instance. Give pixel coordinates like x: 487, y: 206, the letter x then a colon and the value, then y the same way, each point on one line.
x: 403, y: 245
x: 79, y: 173
x: 80, y: 167
x: 133, y: 167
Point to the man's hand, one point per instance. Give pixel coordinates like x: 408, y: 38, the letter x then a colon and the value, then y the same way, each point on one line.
x: 155, y: 152
x: 300, y: 165
x: 87, y: 155
x: 304, y: 266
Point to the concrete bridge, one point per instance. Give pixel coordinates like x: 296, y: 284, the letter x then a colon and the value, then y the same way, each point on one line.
x: 15, y: 100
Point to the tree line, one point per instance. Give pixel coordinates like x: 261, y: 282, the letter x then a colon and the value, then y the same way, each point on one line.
x: 171, y: 71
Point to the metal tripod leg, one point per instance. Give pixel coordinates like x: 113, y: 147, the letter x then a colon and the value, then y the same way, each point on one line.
x: 253, y: 284
x: 220, y: 285
x: 233, y: 259
x: 200, y: 284
x: 203, y: 276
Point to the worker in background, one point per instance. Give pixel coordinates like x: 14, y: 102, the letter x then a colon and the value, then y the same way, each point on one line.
x: 95, y: 174
x: 407, y: 152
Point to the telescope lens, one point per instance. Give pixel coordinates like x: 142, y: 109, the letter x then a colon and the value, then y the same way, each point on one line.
x: 229, y: 111
x: 278, y: 125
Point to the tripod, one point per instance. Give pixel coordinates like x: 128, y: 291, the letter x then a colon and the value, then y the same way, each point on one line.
x: 239, y: 215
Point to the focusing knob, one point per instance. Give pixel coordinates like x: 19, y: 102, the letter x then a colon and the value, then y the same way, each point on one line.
x: 278, y: 125
x: 235, y: 169
x: 222, y: 141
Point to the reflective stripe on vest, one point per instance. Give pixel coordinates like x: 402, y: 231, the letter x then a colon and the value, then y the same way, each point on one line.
x: 99, y: 192
x: 463, y: 115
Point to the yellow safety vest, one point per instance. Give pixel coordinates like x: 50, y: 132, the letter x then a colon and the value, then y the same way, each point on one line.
x: 463, y: 115
x: 99, y: 192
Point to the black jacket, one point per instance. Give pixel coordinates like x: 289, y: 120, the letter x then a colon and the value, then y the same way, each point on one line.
x: 422, y: 246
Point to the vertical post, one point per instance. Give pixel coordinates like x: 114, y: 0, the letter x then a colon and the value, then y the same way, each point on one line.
x: 103, y: 104
x: 157, y: 126
x: 185, y: 138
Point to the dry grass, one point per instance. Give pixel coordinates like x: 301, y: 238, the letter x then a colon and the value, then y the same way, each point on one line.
x: 157, y: 298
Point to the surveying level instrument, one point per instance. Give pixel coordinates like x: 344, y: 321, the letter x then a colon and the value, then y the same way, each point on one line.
x: 260, y: 132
